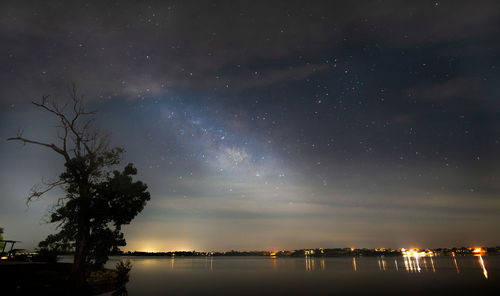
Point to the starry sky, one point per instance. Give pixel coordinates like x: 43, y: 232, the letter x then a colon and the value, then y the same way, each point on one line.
x: 267, y: 124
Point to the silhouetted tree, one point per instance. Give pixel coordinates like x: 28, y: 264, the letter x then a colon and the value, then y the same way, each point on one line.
x: 98, y: 201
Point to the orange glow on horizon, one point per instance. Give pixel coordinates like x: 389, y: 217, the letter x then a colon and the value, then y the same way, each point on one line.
x: 479, y: 250
x: 151, y: 246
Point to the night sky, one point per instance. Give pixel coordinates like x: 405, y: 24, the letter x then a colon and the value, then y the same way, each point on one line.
x: 267, y: 124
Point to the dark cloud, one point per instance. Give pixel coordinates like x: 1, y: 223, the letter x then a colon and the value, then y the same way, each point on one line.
x: 144, y: 48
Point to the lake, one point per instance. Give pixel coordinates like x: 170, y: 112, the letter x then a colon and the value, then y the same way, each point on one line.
x: 468, y: 275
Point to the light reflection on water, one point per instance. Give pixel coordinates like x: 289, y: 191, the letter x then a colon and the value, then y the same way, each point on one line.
x: 412, y: 264
x: 308, y: 263
x: 455, y: 261
x: 481, y: 262
x: 441, y: 275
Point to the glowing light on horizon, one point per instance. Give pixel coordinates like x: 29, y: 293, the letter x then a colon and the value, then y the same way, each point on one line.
x: 479, y: 250
x: 156, y: 246
x: 416, y: 253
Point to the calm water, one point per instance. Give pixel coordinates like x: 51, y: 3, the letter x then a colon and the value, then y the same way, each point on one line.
x: 313, y: 276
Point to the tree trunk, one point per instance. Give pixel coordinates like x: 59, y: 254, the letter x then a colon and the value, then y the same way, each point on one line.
x: 80, y: 256
x: 82, y: 237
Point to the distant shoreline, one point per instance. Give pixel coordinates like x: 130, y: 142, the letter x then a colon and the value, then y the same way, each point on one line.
x: 320, y: 252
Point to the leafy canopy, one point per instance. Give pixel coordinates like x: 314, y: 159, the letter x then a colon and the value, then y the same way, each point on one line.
x: 114, y: 200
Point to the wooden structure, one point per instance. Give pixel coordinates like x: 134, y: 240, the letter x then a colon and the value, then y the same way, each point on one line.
x: 5, y: 242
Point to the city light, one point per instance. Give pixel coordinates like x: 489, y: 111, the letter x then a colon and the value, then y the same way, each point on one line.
x: 479, y: 250
x: 417, y: 253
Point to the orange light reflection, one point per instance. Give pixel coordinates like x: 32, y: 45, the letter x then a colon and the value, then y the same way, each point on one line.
x: 481, y: 262
x: 455, y: 260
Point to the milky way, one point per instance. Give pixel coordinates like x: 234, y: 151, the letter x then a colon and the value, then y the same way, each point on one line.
x: 262, y: 124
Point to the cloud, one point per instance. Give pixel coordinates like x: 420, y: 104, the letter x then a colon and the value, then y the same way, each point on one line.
x: 465, y: 88
x: 137, y: 50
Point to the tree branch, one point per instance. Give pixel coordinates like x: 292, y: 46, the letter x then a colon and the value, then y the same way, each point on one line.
x: 52, y: 146
x: 36, y: 192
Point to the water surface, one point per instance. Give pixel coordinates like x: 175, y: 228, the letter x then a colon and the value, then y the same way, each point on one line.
x: 313, y: 276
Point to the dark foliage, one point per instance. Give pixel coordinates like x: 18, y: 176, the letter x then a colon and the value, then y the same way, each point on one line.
x: 113, y: 202
x: 123, y: 268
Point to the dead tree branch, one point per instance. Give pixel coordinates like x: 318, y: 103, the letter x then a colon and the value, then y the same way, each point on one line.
x: 77, y: 136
